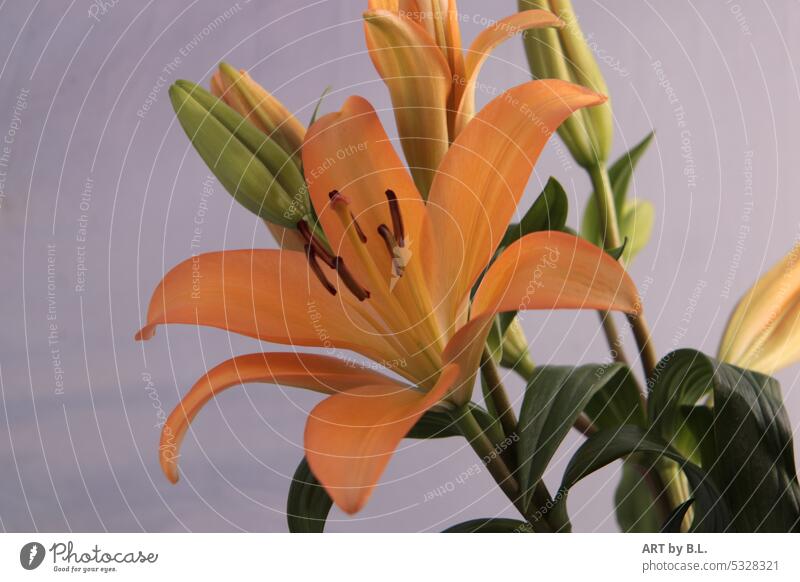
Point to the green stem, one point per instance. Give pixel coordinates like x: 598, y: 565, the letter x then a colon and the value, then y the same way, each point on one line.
x: 498, y: 394
x: 667, y: 489
x: 493, y: 461
x: 609, y: 227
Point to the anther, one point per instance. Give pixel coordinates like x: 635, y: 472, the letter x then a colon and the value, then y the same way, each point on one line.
x: 388, y: 238
x: 397, y: 218
x: 319, y: 250
x: 361, y: 236
x: 350, y: 282
x: 312, y: 261
x: 337, y: 198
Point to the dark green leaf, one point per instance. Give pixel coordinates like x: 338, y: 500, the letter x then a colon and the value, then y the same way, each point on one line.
x: 554, y: 398
x: 674, y: 521
x: 755, y: 457
x: 621, y: 171
x: 308, y: 504
x: 617, y: 252
x: 318, y: 105
x: 680, y: 379
x: 605, y: 446
x: 635, y: 508
x: 618, y: 401
x: 695, y: 435
x: 635, y: 217
x: 548, y: 212
x: 439, y: 424
x: 491, y: 525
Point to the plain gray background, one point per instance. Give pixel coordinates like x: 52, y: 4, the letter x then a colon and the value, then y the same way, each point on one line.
x: 85, y: 139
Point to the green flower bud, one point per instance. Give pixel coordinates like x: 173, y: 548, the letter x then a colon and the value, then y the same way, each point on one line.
x: 562, y: 53
x: 253, y: 168
x: 515, y: 350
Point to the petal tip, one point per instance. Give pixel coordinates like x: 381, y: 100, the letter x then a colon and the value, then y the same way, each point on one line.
x: 144, y: 334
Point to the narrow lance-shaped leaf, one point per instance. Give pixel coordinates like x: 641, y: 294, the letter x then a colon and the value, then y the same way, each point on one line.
x: 491, y: 525
x: 636, y: 217
x: 554, y: 399
x: 755, y: 456
x: 711, y: 511
x: 308, y: 503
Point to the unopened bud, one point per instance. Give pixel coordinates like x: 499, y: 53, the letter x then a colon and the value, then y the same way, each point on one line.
x: 563, y: 53
x: 255, y: 170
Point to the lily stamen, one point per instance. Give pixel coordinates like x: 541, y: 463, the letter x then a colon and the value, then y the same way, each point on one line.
x: 397, y: 218
x: 317, y: 270
x: 398, y: 254
x: 361, y: 293
x: 319, y: 250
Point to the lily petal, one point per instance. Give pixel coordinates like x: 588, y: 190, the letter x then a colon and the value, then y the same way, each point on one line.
x: 266, y: 294
x: 483, y: 176
x: 419, y: 80
x: 484, y: 44
x: 350, y: 437
x: 763, y: 332
x: 310, y: 371
x: 258, y: 106
x: 439, y: 18
x: 349, y: 152
x: 555, y: 270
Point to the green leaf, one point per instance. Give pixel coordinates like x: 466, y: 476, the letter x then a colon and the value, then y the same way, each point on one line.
x: 605, y: 446
x: 436, y: 424
x: 308, y: 503
x: 618, y: 401
x: 621, y: 171
x: 491, y: 525
x: 548, y: 212
x: 635, y: 508
x: 695, y: 434
x: 554, y: 398
x: 636, y: 225
x: 635, y: 217
x: 617, y: 252
x: 674, y: 521
x: 680, y: 379
x: 755, y: 456
x: 319, y: 104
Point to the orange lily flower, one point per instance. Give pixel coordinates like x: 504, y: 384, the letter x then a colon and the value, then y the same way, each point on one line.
x: 394, y: 284
x: 763, y: 333
x: 415, y: 46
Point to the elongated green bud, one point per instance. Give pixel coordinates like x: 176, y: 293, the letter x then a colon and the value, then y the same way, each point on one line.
x: 563, y: 53
x: 254, y: 169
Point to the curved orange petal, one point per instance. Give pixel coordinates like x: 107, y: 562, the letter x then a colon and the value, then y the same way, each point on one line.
x: 483, y: 176
x: 351, y: 436
x: 419, y: 80
x: 464, y: 349
x: 349, y: 152
x: 266, y: 294
x: 310, y: 371
x: 440, y: 19
x: 555, y: 270
x: 484, y: 44
x: 391, y: 5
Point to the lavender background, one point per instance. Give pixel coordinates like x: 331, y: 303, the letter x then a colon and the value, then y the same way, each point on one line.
x: 93, y: 152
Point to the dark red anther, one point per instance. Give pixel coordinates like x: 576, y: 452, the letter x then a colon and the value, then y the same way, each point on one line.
x: 361, y: 236
x: 388, y: 238
x: 397, y: 218
x: 350, y: 282
x: 312, y: 261
x: 319, y: 250
x: 335, y: 197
